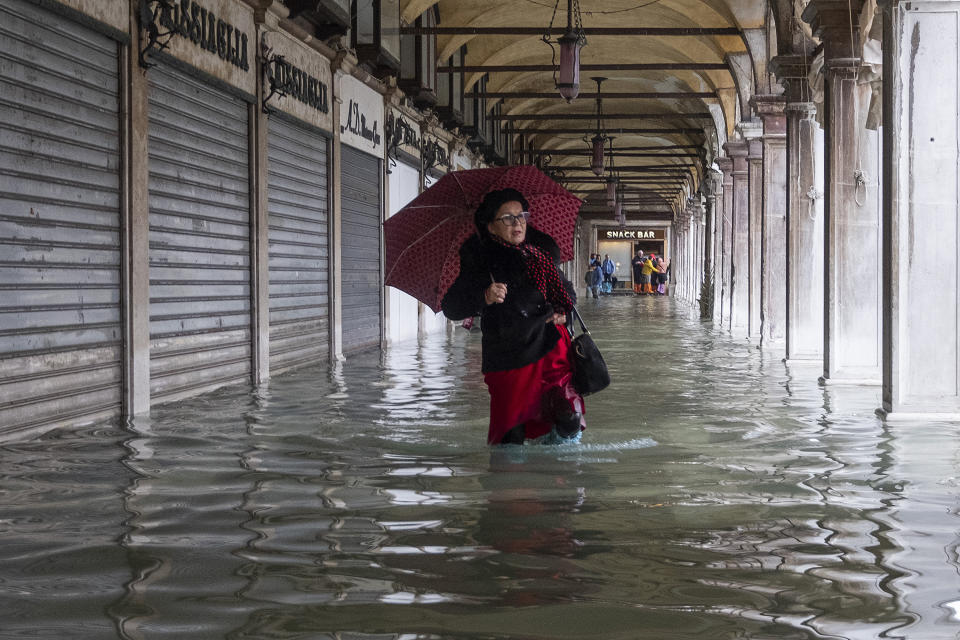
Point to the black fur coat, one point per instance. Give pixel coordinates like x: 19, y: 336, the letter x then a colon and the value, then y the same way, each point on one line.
x: 515, y: 332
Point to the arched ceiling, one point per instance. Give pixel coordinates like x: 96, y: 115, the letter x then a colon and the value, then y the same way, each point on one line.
x: 687, y: 104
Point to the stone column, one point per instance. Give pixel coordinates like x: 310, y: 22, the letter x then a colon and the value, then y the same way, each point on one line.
x: 336, y: 223
x: 773, y: 221
x: 739, y: 241
x: 852, y: 345
x: 753, y: 133
x: 725, y: 228
x: 921, y: 210
x: 135, y: 235
x: 694, y: 262
x: 682, y: 255
x: 805, y: 278
x: 710, y: 243
x: 259, y: 228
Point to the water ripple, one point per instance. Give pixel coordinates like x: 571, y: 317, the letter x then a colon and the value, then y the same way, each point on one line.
x: 717, y: 493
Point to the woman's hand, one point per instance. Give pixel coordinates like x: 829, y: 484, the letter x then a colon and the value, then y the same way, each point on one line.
x: 495, y: 293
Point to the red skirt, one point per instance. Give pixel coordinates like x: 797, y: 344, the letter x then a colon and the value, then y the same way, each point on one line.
x: 516, y: 394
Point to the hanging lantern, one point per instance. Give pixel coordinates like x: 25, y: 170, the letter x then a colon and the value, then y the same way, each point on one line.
x: 567, y: 78
x: 568, y: 81
x: 596, y: 163
x: 611, y: 191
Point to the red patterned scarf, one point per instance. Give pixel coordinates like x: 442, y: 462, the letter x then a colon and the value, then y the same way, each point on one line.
x: 544, y: 274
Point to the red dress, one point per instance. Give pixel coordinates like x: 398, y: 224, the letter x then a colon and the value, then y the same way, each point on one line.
x: 516, y: 395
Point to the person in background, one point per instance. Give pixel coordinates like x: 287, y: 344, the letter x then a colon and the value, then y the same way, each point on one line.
x: 646, y: 272
x: 660, y: 275
x: 666, y: 276
x: 608, y: 268
x: 637, y: 266
x: 509, y: 277
x: 593, y: 278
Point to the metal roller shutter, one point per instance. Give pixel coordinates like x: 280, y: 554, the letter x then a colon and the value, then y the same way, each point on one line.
x: 299, y: 251
x: 360, y: 240
x: 200, y: 331
x: 60, y: 337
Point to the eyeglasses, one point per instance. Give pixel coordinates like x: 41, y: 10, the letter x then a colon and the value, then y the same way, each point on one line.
x: 512, y: 221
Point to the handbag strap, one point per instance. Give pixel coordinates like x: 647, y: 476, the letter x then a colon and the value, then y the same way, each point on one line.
x: 576, y: 315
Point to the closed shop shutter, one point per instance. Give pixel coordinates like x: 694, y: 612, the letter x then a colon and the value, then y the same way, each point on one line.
x: 60, y: 336
x: 360, y: 240
x: 200, y: 330
x: 299, y: 247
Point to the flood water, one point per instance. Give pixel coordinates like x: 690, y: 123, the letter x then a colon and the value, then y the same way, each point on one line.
x: 717, y: 493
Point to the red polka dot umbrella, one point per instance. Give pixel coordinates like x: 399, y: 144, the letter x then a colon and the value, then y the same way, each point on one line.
x: 423, y: 239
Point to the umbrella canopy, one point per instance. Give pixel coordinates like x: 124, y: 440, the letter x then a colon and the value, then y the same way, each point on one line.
x: 423, y: 239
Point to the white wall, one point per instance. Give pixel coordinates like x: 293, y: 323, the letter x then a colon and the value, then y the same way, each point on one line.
x: 404, y: 184
x: 620, y: 251
x: 431, y: 322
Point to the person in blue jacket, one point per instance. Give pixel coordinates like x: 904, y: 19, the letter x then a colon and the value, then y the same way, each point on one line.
x: 608, y: 268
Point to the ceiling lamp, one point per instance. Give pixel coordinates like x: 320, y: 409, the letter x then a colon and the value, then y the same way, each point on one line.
x: 618, y: 208
x: 611, y: 180
x: 567, y: 79
x: 596, y: 162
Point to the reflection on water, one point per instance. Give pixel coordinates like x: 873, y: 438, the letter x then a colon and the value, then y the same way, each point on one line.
x: 717, y: 493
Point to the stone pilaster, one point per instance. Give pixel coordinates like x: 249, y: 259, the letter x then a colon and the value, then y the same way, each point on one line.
x: 711, y: 238
x: 135, y: 238
x: 725, y: 231
x: 852, y: 304
x: 739, y: 241
x: 753, y: 134
x: 773, y: 227
x: 921, y: 210
x: 804, y: 241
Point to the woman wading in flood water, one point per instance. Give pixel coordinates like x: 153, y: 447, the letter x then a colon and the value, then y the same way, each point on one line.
x: 509, y: 277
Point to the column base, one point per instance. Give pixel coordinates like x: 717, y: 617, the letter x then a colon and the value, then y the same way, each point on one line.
x: 860, y: 382
x: 914, y: 416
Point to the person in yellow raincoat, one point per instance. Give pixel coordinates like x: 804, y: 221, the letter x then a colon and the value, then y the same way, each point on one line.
x: 646, y: 272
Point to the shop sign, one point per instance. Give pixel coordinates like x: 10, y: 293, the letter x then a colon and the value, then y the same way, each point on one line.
x: 630, y: 234
x: 361, y: 116
x: 402, y: 134
x: 435, y: 155
x: 213, y: 35
x: 297, y: 80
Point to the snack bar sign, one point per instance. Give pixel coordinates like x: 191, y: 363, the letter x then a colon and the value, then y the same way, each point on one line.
x: 631, y: 234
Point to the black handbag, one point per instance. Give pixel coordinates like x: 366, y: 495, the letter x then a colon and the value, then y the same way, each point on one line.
x: 589, y: 369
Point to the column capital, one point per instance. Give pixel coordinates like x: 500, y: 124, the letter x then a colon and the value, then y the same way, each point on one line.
x: 803, y: 110
x: 737, y: 150
x: 755, y: 149
x: 749, y: 129
x: 771, y: 109
x: 831, y: 21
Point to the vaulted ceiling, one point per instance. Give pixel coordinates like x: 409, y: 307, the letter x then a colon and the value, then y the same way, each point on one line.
x: 673, y: 69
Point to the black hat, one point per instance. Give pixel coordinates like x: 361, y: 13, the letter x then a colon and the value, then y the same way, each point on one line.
x: 492, y: 203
